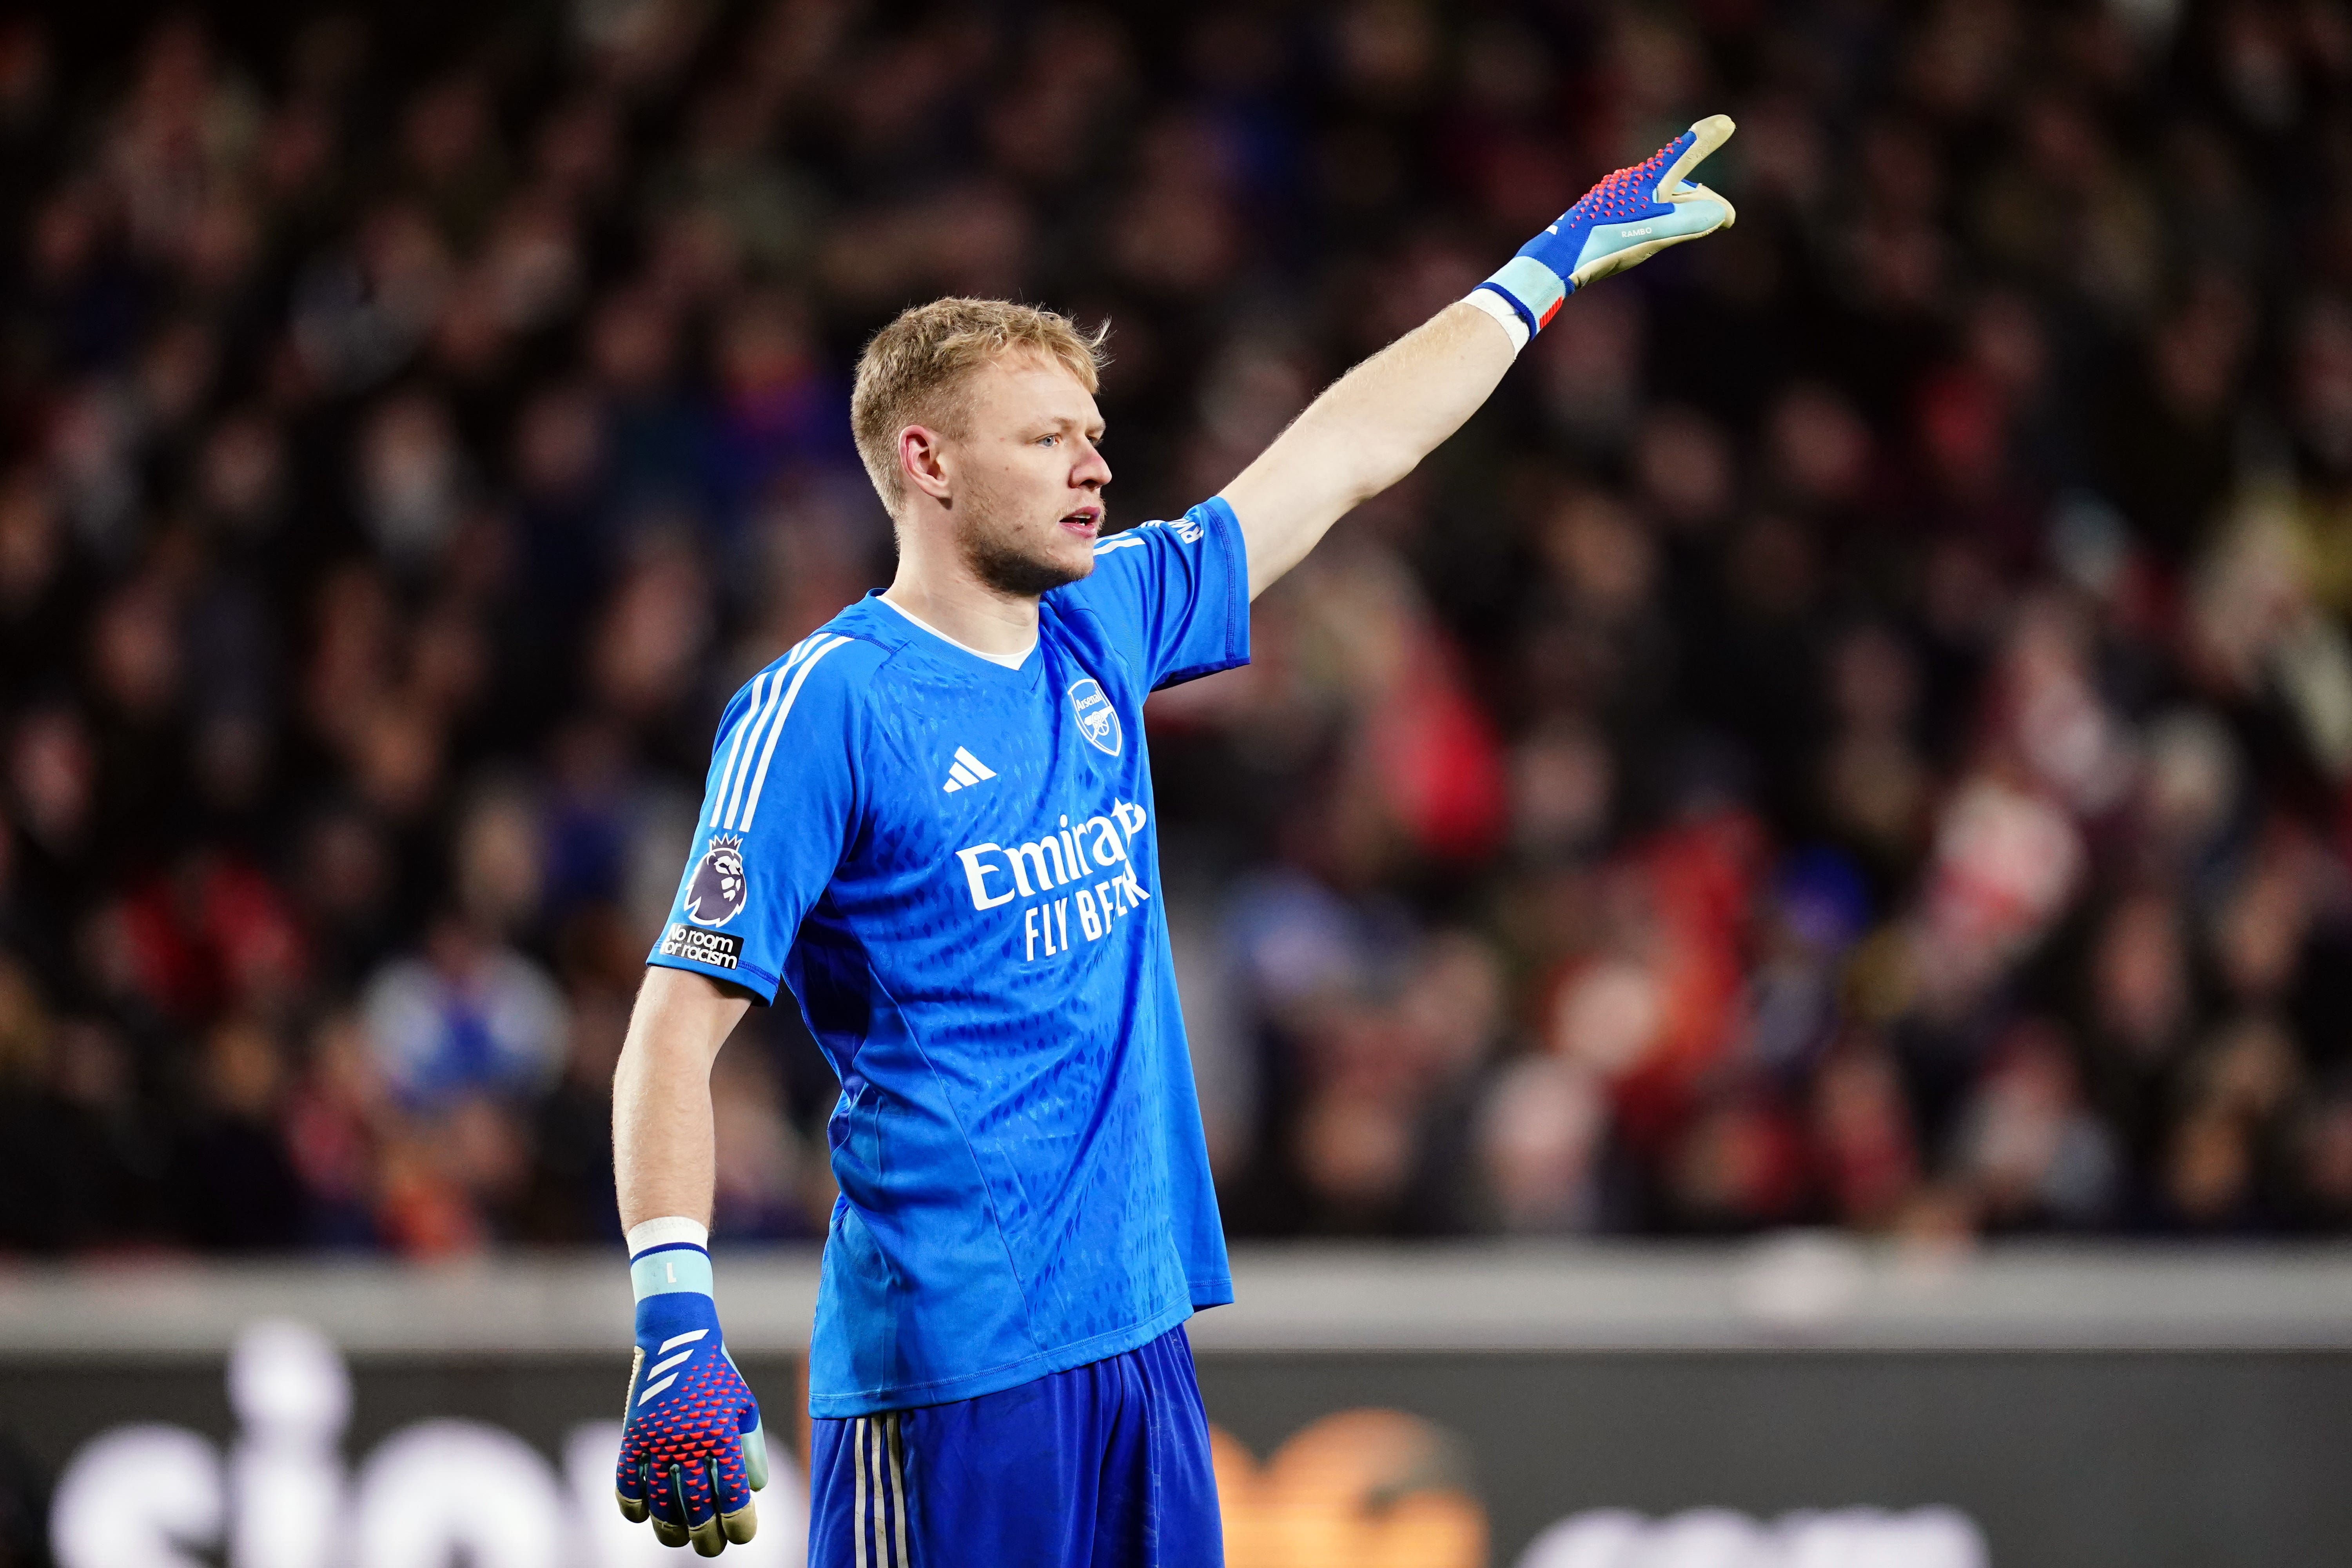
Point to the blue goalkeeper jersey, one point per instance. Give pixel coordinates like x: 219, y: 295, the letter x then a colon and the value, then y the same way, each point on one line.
x: 951, y: 867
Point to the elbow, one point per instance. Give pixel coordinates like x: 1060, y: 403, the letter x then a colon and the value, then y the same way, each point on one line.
x: 1373, y: 479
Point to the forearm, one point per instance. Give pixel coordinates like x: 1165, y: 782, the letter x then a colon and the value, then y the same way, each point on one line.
x: 1368, y: 430
x: 664, y: 1146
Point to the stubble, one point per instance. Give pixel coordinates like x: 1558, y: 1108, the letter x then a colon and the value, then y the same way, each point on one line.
x: 992, y: 547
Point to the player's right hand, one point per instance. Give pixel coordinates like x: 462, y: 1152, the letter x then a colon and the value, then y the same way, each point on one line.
x: 691, y: 1449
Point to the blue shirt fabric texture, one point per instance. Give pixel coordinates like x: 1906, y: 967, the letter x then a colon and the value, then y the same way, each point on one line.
x: 951, y: 867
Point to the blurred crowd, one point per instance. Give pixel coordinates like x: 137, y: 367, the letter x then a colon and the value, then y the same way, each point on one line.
x: 1858, y: 732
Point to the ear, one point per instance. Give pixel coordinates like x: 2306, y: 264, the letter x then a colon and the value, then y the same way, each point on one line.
x: 923, y: 461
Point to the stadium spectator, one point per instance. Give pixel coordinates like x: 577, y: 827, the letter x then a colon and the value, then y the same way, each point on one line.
x: 1859, y: 732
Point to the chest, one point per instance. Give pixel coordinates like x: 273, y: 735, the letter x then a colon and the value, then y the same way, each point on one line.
x: 1010, y: 795
x: 1015, y: 814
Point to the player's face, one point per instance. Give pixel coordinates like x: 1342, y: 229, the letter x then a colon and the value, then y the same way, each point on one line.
x: 1028, y: 476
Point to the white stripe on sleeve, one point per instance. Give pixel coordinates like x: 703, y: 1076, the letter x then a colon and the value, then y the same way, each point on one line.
x: 784, y: 711
x: 729, y: 793
x: 735, y: 748
x: 754, y: 723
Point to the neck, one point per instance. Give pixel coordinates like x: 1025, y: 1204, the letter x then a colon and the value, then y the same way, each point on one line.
x: 937, y: 588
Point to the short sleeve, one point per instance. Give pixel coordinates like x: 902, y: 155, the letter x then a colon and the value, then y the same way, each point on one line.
x: 778, y: 814
x: 1174, y: 594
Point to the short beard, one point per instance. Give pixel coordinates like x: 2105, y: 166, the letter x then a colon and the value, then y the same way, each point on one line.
x: 1005, y: 566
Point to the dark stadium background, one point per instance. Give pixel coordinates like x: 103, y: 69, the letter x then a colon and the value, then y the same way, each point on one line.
x: 1855, y: 736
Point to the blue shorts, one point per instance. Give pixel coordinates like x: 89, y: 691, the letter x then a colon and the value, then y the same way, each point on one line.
x: 1104, y: 1466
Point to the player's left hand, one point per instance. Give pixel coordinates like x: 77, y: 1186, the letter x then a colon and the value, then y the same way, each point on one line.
x: 1622, y: 222
x: 692, y: 1452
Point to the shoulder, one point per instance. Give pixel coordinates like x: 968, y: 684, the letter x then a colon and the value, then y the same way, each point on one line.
x: 838, y: 660
x: 801, y: 718
x: 830, y: 672
x: 1202, y: 526
x: 1156, y: 545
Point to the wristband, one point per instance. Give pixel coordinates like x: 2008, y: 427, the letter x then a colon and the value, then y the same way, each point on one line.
x: 1524, y: 295
x: 1506, y: 314
x: 670, y: 1254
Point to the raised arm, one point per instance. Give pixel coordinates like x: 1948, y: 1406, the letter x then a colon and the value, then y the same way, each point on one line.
x: 1368, y: 430
x: 1374, y: 425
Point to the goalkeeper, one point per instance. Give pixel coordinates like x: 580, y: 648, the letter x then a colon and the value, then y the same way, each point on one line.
x: 932, y: 822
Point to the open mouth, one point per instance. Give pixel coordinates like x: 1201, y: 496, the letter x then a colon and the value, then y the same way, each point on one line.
x: 1086, y: 523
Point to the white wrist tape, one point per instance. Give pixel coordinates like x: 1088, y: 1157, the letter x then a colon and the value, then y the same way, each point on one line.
x: 1494, y: 305
x: 668, y: 1231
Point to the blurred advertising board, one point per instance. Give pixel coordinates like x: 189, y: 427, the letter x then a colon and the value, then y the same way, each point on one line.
x: 1629, y: 1413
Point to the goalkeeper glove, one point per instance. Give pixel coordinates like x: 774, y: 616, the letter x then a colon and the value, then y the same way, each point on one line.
x: 1622, y: 222
x: 691, y: 1449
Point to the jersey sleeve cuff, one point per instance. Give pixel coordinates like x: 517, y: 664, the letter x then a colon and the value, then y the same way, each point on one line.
x: 750, y: 977
x: 1233, y: 549
x: 1231, y: 553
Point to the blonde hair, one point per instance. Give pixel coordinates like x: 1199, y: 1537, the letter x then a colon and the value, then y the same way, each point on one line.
x: 913, y: 369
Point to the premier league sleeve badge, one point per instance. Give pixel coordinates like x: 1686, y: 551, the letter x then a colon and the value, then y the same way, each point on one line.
x: 719, y: 889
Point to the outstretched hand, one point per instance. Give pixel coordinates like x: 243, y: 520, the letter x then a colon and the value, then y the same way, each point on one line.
x: 1622, y: 222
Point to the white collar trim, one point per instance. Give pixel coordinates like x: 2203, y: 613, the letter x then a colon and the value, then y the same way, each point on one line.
x: 1008, y: 661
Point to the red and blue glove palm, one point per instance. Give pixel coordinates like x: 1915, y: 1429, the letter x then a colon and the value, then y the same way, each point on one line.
x: 1622, y: 222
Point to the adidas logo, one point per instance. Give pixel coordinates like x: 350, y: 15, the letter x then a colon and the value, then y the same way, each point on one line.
x: 966, y: 770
